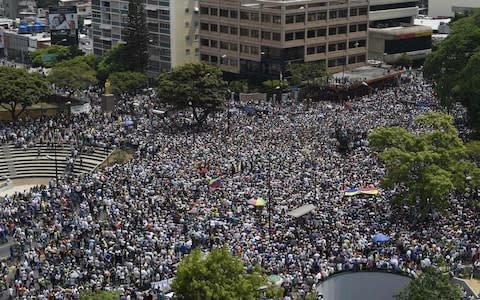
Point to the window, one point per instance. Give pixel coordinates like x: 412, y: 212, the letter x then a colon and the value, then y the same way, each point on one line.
x: 362, y: 11
x: 342, y: 30
x: 321, y: 49
x: 223, y: 29
x: 276, y: 36
x: 254, y: 50
x: 244, y: 15
x: 204, y: 57
x: 213, y: 27
x: 341, y: 61
x: 322, y: 15
x: 244, y: 32
x: 254, y: 33
x: 311, y: 34
x: 310, y: 50
x: 332, y: 47
x: 204, y: 42
x: 233, y: 14
x: 362, y: 27
x: 214, y: 11
x: 332, y: 31
x: 289, y: 19
x: 289, y: 36
x: 277, y: 19
x: 353, y: 28
x: 333, y: 14
x: 321, y: 32
x: 223, y: 45
x: 234, y: 30
x: 332, y: 63
x: 214, y: 44
x: 300, y: 35
x: 233, y: 47
x: 342, y: 13
x: 224, y: 13
x: 312, y: 17
x: 204, y: 26
x: 266, y: 18
x: 254, y: 16
x: 266, y: 35
x: 300, y: 18
x: 353, y: 12
x: 342, y: 46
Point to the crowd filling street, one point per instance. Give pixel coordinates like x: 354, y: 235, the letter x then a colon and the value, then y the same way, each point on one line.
x: 128, y: 225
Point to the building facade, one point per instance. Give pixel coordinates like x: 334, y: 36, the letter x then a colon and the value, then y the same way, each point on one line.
x: 260, y: 37
x: 392, y: 32
x: 172, y: 26
x: 448, y: 8
x: 23, y: 9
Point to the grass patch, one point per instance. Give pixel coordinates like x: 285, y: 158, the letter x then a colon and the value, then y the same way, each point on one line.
x: 118, y: 156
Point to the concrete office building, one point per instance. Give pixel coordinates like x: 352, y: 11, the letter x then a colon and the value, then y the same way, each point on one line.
x: 448, y: 8
x: 172, y: 26
x: 260, y: 37
x: 392, y: 32
x: 23, y: 9
x: 84, y: 7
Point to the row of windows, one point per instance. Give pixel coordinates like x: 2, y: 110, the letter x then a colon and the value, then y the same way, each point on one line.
x: 223, y: 60
x: 290, y: 36
x: 277, y: 19
x: 332, y: 47
x: 229, y: 46
x: 342, y: 61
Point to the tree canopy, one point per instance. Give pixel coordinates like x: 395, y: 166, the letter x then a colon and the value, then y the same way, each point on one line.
x: 77, y: 73
x: 115, y: 60
x: 128, y: 82
x: 454, y: 64
x: 50, y: 56
x: 218, y: 275
x: 424, y: 168
x: 311, y: 77
x: 431, y: 284
x: 21, y: 89
x: 137, y: 36
x: 198, y: 86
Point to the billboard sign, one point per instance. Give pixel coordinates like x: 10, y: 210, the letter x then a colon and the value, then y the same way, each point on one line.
x: 63, y: 23
x: 63, y: 17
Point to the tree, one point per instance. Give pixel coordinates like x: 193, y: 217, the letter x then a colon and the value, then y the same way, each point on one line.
x: 311, y: 77
x: 128, y: 82
x: 424, y: 168
x: 198, y: 86
x: 454, y: 66
x: 403, y: 60
x: 99, y: 295
x: 218, y: 275
x: 137, y: 36
x: 115, y: 60
x: 431, y: 284
x: 21, y: 89
x: 50, y: 56
x: 77, y: 73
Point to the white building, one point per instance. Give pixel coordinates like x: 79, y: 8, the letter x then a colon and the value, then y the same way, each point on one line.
x: 172, y: 25
x: 448, y: 8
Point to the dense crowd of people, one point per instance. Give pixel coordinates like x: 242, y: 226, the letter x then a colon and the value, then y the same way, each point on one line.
x: 128, y: 225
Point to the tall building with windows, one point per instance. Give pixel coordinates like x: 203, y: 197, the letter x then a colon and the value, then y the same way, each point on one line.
x: 172, y: 26
x: 260, y: 37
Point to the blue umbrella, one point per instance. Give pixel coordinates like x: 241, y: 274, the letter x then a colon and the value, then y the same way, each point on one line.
x: 380, y: 238
x: 128, y: 123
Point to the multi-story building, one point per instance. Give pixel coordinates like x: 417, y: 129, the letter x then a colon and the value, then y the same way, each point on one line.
x: 84, y: 7
x: 448, y: 8
x: 23, y: 9
x: 172, y: 27
x: 260, y: 37
x: 392, y: 32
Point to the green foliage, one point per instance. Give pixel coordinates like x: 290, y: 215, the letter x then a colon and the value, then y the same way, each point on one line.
x: 128, y: 82
x: 271, y: 85
x: 137, y: 36
x: 115, y: 60
x: 216, y: 276
x: 100, y: 295
x: 198, y: 86
x: 76, y: 73
x: 61, y: 52
x: 20, y: 89
x: 403, y: 60
x: 454, y: 66
x: 238, y: 86
x: 310, y: 77
x: 424, y: 168
x: 431, y: 284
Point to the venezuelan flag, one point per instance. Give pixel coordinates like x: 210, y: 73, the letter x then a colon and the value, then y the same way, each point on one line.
x: 361, y: 191
x: 215, y: 184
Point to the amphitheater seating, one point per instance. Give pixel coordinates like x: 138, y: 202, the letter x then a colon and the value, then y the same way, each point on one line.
x: 18, y: 163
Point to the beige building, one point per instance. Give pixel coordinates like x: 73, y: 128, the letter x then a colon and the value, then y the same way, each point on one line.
x: 260, y: 37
